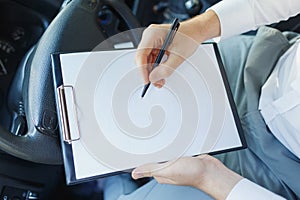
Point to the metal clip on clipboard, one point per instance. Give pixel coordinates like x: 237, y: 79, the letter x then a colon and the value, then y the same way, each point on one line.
x: 68, y: 113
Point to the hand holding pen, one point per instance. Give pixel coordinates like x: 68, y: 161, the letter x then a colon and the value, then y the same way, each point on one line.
x: 155, y: 43
x: 189, y: 36
x: 161, y: 53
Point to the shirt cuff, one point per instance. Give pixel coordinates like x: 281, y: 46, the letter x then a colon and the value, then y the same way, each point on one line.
x: 235, y: 17
x: 248, y: 190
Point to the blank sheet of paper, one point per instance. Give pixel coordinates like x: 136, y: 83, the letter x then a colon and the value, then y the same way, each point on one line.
x: 119, y: 130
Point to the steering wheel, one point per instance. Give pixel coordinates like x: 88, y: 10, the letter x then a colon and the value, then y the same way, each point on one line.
x: 74, y: 29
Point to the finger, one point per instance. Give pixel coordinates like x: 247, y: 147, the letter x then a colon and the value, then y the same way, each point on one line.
x: 149, y: 170
x: 165, y: 69
x: 143, y: 171
x: 144, y: 52
x: 141, y: 60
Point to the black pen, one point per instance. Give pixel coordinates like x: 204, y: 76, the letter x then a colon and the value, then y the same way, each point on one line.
x: 167, y: 42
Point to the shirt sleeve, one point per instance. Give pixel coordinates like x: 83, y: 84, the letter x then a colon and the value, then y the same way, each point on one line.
x: 248, y: 190
x: 239, y: 16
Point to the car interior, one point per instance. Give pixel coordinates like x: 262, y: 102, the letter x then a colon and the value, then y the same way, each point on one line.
x: 30, y: 153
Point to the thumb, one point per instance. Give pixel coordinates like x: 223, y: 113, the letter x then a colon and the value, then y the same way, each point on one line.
x: 164, y: 70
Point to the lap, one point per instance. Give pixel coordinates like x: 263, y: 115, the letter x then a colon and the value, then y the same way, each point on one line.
x: 149, y: 191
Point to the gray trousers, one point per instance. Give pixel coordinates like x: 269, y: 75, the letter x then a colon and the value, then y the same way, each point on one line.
x: 248, y: 61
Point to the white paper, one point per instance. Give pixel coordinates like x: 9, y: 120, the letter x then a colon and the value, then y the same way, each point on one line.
x: 119, y: 130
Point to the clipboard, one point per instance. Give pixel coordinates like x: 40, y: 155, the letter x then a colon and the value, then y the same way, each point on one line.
x: 89, y: 149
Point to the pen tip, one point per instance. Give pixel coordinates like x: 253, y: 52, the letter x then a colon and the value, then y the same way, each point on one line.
x: 145, y: 89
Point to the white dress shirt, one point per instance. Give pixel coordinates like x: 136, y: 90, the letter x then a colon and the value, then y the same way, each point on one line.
x: 246, y: 190
x: 280, y: 98
x: 239, y: 16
